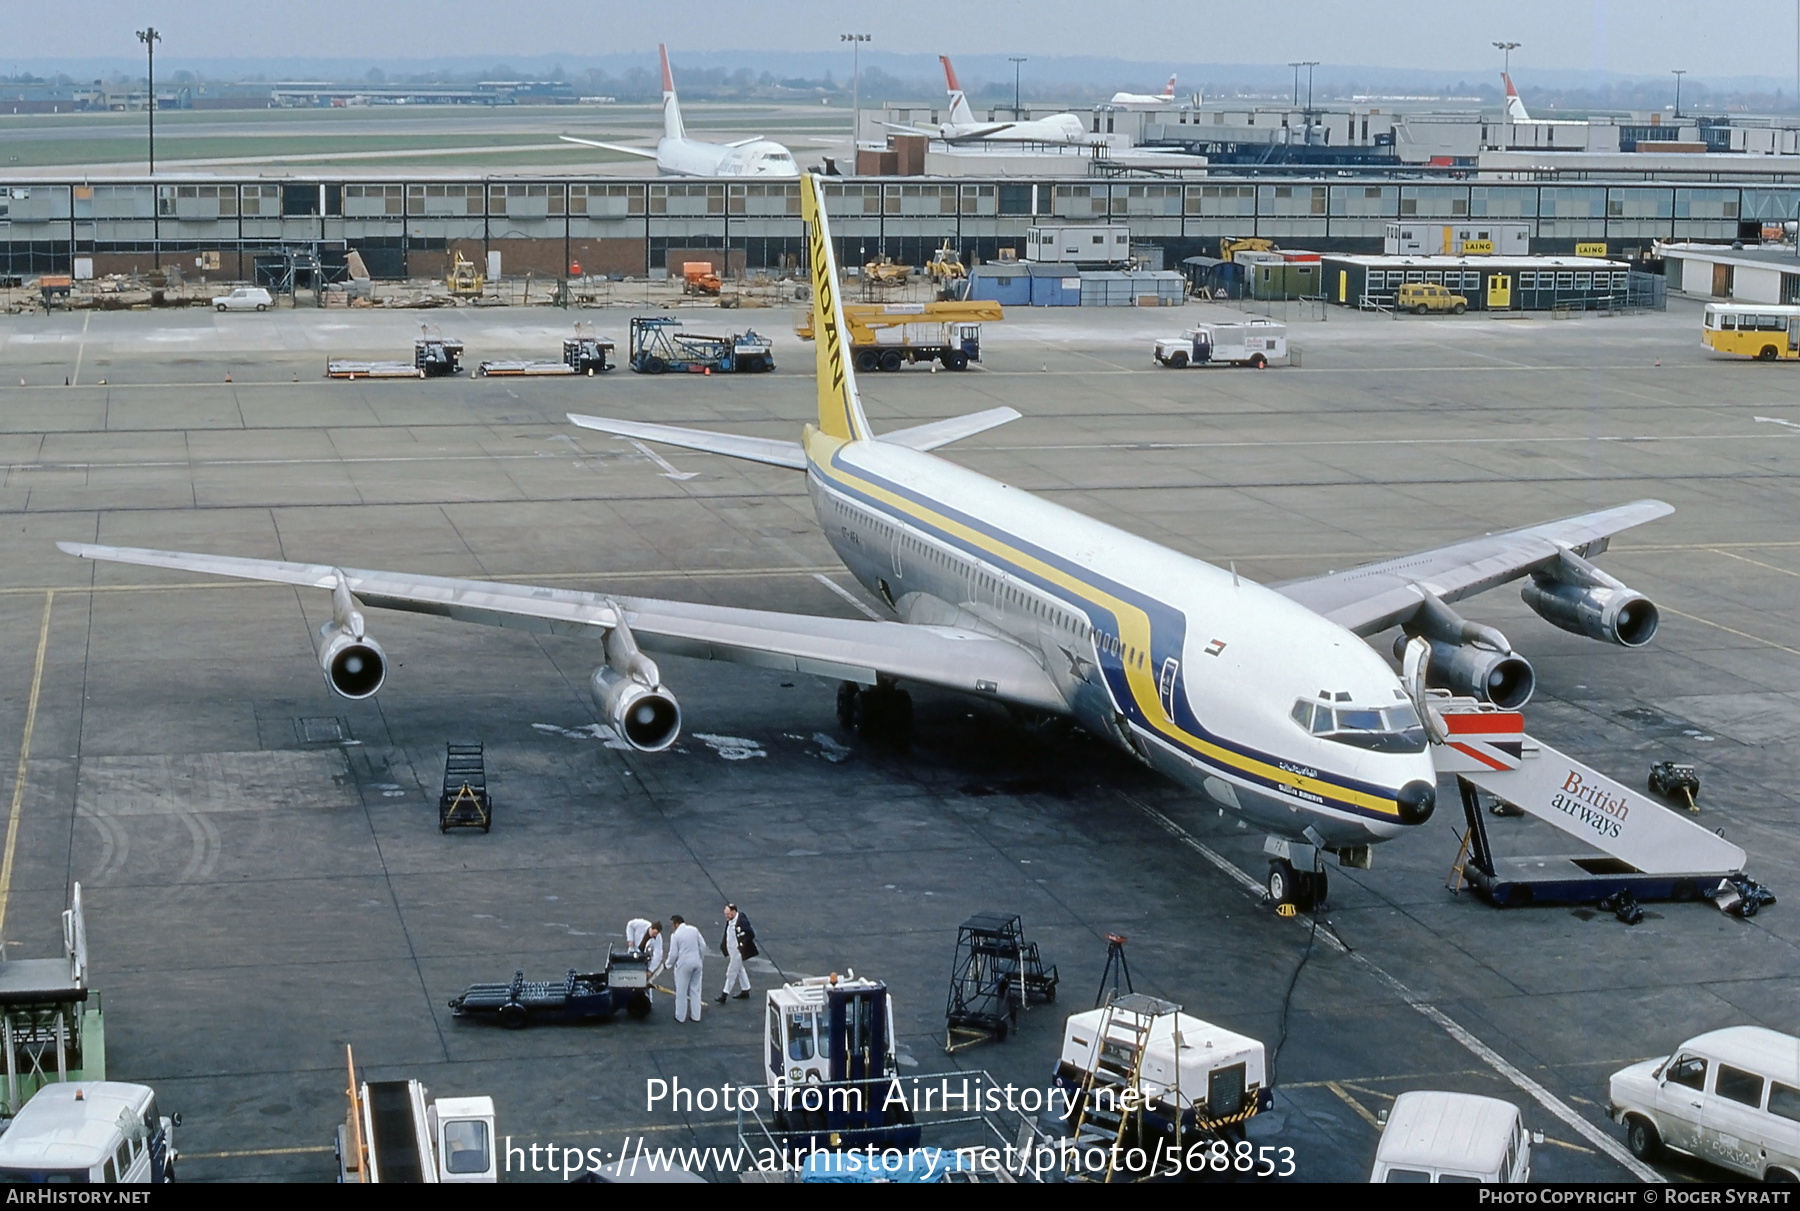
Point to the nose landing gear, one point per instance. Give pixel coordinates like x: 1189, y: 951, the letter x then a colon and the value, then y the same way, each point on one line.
x: 1305, y: 890
x: 1296, y: 874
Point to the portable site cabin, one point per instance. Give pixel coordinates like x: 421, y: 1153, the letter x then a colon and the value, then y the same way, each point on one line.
x: 1119, y: 289
x: 1022, y: 284
x: 1490, y: 283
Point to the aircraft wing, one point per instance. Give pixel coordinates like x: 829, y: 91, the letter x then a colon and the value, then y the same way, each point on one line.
x: 1375, y: 596
x: 755, y: 449
x: 745, y: 142
x: 843, y: 648
x: 647, y: 152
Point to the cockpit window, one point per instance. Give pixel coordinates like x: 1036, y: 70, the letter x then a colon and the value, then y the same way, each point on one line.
x: 1391, y: 729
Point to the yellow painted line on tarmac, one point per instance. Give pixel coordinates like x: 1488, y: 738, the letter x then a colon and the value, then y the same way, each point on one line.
x: 18, y: 795
x: 1770, y: 643
x: 1361, y: 1111
x: 1759, y: 563
x: 215, y: 1156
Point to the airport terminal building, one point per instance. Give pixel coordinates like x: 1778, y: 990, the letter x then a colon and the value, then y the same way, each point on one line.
x: 408, y: 227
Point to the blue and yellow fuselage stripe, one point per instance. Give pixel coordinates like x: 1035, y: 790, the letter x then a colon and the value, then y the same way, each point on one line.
x: 1136, y: 618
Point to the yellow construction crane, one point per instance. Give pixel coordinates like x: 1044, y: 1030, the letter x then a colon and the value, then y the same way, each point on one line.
x: 886, y: 336
x: 946, y: 264
x: 1228, y: 248
x: 462, y: 279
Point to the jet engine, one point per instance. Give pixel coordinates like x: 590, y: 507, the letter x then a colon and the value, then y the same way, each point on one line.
x: 1468, y: 658
x: 355, y: 666
x: 1579, y: 598
x: 1503, y: 678
x: 628, y: 690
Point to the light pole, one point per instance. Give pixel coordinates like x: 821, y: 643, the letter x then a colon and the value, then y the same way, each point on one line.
x: 856, y: 41
x: 149, y: 37
x: 1308, y: 64
x: 1296, y: 66
x: 1506, y: 49
x: 1678, y: 72
x: 1015, y: 62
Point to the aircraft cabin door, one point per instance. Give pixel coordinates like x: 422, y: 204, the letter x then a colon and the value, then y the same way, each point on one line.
x: 1499, y: 292
x: 1165, y: 685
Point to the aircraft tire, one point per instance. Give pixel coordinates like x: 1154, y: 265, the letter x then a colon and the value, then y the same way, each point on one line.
x: 848, y: 692
x: 1282, y: 882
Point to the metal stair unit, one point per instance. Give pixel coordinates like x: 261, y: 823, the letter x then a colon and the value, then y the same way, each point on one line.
x: 1113, y: 1095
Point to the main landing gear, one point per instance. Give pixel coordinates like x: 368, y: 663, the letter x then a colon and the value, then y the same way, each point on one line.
x: 878, y: 713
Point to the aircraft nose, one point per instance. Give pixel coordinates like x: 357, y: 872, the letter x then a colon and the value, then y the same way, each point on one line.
x: 1416, y: 799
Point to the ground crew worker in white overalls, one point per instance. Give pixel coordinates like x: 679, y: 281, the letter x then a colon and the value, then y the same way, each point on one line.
x: 687, y: 955
x: 645, y: 935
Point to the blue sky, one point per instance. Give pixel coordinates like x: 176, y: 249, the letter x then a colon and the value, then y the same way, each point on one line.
x: 1645, y: 38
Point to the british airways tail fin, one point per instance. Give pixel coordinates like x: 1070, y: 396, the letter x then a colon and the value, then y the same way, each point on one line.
x: 960, y: 113
x: 1515, y: 108
x: 672, y: 128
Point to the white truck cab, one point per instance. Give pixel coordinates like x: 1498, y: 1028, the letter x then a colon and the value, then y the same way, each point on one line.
x: 1437, y: 1137
x: 89, y: 1133
x: 1729, y: 1096
x: 1255, y: 343
x: 797, y: 1034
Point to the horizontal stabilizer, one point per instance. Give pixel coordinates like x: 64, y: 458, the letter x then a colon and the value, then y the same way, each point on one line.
x: 943, y: 432
x: 732, y: 445
x: 646, y: 152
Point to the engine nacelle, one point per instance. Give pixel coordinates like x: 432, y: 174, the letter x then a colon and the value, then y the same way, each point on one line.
x: 1502, y: 678
x: 355, y: 666
x: 1610, y: 613
x: 647, y: 717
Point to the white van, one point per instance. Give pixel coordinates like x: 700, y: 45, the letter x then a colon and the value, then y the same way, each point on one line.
x: 1433, y: 1136
x: 89, y: 1132
x: 244, y: 298
x: 1731, y: 1097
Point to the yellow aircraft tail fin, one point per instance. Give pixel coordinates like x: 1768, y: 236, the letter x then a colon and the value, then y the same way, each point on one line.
x: 840, y: 408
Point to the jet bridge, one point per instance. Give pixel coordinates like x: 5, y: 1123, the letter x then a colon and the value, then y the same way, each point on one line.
x: 1644, y: 847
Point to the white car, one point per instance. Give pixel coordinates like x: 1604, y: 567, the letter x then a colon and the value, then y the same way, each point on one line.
x: 244, y: 298
x: 1431, y: 1136
x: 1730, y: 1096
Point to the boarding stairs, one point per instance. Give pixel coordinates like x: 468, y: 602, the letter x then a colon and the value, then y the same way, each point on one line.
x: 1644, y: 847
x: 1113, y: 1094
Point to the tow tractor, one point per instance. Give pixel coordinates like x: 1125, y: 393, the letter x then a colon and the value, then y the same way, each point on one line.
x: 1141, y: 1074
x: 834, y: 1091
x: 433, y: 357
x: 624, y: 983
x: 656, y: 345
x: 583, y: 353
x: 394, y: 1135
x: 886, y: 336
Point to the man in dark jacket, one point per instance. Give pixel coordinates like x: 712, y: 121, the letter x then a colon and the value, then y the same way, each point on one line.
x: 738, y: 944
